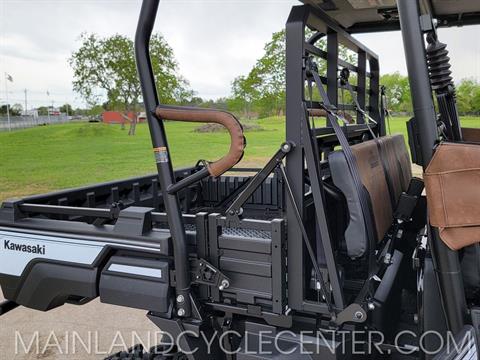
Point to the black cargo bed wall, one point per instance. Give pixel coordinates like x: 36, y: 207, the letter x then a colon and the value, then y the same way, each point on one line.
x: 139, y: 191
x: 267, y: 202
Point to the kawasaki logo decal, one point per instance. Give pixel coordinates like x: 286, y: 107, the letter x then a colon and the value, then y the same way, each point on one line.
x: 31, y: 249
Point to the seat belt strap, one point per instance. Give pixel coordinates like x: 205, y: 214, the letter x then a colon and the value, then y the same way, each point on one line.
x: 358, y: 108
x: 352, y: 165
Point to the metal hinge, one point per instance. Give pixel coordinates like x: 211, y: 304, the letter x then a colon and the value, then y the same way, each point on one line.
x: 207, y: 274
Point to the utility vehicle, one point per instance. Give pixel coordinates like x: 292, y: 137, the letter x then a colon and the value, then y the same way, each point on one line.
x: 333, y: 250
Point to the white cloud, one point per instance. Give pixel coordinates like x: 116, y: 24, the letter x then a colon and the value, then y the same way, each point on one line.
x: 214, y: 41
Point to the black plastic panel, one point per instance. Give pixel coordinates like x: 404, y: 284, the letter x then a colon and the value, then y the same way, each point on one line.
x: 137, y: 283
x: 49, y: 285
x: 250, y: 255
x: 268, y: 198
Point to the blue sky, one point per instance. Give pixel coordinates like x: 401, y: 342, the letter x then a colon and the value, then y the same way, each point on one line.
x: 213, y: 40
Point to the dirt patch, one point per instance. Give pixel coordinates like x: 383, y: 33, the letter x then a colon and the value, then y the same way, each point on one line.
x: 92, y: 130
x: 214, y: 128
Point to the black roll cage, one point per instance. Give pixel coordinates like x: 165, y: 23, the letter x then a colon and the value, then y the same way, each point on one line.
x: 297, y: 132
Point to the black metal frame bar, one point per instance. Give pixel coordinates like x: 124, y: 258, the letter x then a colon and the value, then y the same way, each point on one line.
x: 365, y: 58
x: 67, y: 210
x: 443, y: 20
x: 446, y: 261
x: 159, y: 141
x: 298, y: 131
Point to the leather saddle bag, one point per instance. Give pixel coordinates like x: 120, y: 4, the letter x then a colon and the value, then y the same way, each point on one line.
x: 452, y: 183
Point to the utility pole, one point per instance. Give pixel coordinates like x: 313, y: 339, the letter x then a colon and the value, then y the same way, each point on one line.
x: 7, y: 79
x: 48, y: 107
x: 66, y: 107
x: 26, y: 108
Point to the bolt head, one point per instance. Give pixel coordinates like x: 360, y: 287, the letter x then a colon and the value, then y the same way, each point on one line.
x: 181, y: 312
x: 358, y: 315
x: 371, y: 306
x: 180, y: 299
x: 225, y: 284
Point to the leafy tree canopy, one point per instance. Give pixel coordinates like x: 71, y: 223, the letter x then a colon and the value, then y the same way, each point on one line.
x: 262, y: 91
x: 398, y: 92
x: 106, y: 67
x: 468, y: 96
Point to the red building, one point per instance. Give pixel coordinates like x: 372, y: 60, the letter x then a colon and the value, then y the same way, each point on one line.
x: 116, y: 117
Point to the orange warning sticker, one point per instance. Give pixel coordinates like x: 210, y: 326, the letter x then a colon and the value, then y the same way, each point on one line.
x: 161, y: 154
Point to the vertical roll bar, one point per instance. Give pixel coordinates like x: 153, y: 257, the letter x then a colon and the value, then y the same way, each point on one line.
x: 446, y: 261
x: 164, y: 166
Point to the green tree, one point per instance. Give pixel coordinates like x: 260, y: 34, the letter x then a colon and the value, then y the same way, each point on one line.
x: 96, y: 110
x: 66, y: 109
x: 468, y: 96
x: 105, y: 67
x: 3, y: 110
x: 271, y: 74
x: 16, y: 110
x: 263, y: 89
x: 43, y: 110
x: 245, y: 92
x: 397, y: 89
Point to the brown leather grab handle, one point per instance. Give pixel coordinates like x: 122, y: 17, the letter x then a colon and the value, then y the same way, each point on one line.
x: 229, y: 121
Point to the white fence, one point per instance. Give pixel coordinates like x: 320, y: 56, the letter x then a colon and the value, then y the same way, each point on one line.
x: 24, y: 122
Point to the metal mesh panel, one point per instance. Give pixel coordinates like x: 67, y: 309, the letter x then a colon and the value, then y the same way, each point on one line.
x: 188, y: 227
x: 259, y: 234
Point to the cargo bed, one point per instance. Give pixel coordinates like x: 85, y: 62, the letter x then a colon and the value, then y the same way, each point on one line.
x: 112, y: 241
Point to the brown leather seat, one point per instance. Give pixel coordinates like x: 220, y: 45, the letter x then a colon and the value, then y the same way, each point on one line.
x: 385, y: 172
x: 404, y: 160
x: 396, y: 164
x: 471, y: 134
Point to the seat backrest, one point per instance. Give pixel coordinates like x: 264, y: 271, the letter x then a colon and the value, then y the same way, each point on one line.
x: 373, y: 179
x: 396, y: 164
x: 385, y: 172
x: 404, y: 160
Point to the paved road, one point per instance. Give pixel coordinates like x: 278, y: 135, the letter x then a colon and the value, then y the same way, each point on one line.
x: 62, y: 330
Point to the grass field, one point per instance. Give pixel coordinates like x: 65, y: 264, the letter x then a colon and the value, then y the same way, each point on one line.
x: 55, y: 157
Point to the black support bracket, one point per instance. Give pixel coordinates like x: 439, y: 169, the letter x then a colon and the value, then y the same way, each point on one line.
x: 207, y: 274
x: 235, y: 210
x: 134, y: 220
